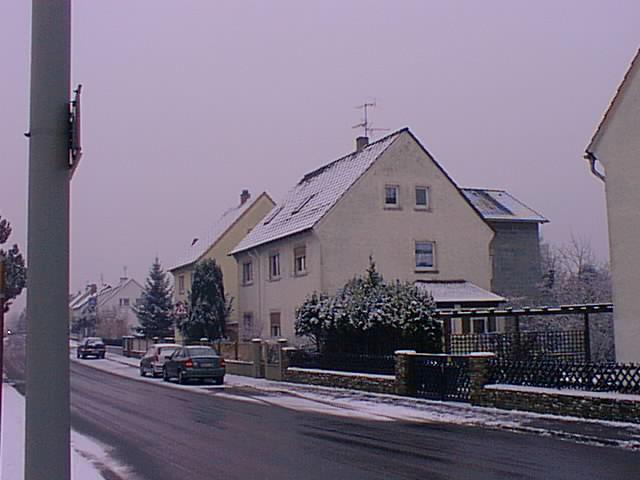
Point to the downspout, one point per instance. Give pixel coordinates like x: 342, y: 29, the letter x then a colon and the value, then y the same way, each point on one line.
x: 592, y: 162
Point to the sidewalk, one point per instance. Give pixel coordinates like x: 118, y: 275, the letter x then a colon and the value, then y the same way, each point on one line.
x: 382, y: 407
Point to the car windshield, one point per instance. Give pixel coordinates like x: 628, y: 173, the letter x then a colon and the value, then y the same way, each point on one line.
x: 94, y: 341
x: 202, y: 352
x: 166, y: 351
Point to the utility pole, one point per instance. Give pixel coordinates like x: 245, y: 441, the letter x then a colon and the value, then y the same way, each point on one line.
x: 47, y: 450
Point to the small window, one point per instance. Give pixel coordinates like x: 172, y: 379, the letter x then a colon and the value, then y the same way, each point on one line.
x: 425, y: 255
x: 181, y: 284
x: 124, y: 302
x: 478, y: 325
x: 274, y: 320
x: 302, y: 204
x: 422, y: 198
x: 274, y: 213
x: 247, y: 273
x: 491, y: 325
x: 300, y: 260
x: 274, y: 266
x: 247, y: 325
x: 391, y: 196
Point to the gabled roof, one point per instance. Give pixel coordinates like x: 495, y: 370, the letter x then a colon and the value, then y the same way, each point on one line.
x: 204, y: 242
x: 107, y: 294
x: 81, y: 300
x: 314, y: 195
x: 614, y: 103
x: 499, y: 205
x: 457, y: 291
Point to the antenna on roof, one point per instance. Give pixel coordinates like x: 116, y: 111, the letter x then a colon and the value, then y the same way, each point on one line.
x: 365, y: 123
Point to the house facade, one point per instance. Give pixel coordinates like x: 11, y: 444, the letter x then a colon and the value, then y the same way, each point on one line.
x: 216, y: 243
x: 389, y: 200
x: 515, y: 248
x: 616, y: 147
x: 109, y: 308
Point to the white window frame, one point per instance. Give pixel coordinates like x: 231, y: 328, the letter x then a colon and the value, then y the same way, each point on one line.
x: 427, y: 190
x: 424, y: 268
x: 277, y: 333
x: 275, y: 272
x: 392, y: 206
x: 247, y: 266
x: 181, y: 284
x: 303, y: 270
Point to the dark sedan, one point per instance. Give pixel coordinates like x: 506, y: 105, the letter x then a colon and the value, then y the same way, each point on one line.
x: 91, y: 347
x: 194, y: 362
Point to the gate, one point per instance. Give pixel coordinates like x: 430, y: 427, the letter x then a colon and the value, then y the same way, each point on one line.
x: 441, y: 377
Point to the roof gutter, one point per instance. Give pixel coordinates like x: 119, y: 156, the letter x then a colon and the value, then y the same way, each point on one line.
x: 592, y: 159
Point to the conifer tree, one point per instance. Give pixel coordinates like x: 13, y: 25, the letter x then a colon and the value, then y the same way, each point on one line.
x: 155, y: 311
x: 15, y: 272
x: 208, y: 306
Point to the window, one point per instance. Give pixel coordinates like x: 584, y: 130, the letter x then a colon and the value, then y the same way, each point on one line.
x: 391, y: 196
x: 181, y: 284
x: 274, y: 213
x: 274, y: 266
x: 247, y: 325
x: 124, y: 302
x: 301, y: 204
x: 425, y: 255
x: 300, y: 260
x: 478, y: 325
x: 274, y: 320
x: 247, y: 273
x: 422, y: 198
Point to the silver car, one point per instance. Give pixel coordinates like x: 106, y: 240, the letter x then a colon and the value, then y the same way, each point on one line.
x: 155, y: 358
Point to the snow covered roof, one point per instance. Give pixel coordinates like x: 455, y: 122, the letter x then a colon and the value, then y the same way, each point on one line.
x: 314, y: 195
x: 81, y: 300
x: 457, y: 291
x: 107, y: 294
x: 202, y: 243
x: 499, y: 205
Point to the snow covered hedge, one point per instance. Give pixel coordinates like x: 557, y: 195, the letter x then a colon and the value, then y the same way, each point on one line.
x: 369, y: 315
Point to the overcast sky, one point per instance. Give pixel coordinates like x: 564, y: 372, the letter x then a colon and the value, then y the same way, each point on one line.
x: 185, y: 103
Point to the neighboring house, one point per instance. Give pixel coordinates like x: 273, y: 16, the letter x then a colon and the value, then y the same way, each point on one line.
x: 515, y: 249
x: 390, y: 200
x: 616, y: 147
x: 111, y: 307
x: 216, y: 243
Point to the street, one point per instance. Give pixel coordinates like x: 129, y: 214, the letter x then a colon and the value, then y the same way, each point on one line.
x: 167, y: 433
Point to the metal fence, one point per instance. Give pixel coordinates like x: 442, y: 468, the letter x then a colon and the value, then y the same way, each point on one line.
x: 344, y: 362
x: 567, y: 345
x: 592, y: 377
x: 441, y: 377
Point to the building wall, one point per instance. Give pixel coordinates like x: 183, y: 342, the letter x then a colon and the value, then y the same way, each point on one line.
x: 618, y: 149
x: 115, y: 319
x: 220, y: 252
x: 515, y: 252
x: 360, y: 226
x: 264, y: 296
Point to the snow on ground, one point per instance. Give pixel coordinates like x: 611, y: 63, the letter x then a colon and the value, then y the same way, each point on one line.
x: 88, y: 457
x: 381, y: 407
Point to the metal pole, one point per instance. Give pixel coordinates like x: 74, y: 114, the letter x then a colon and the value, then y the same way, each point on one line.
x: 47, y: 381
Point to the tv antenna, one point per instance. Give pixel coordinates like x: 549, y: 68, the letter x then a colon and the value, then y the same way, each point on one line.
x: 365, y: 123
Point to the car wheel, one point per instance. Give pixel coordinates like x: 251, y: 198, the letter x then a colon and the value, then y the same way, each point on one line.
x: 182, y: 379
x: 165, y: 375
x: 142, y: 372
x: 78, y: 354
x: 219, y: 380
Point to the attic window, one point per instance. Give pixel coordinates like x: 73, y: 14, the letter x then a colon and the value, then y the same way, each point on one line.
x: 301, y: 205
x: 272, y: 215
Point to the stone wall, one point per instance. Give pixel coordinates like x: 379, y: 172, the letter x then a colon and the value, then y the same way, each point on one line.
x: 354, y: 381
x: 606, y: 406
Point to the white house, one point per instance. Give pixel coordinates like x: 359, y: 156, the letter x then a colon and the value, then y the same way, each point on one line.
x: 615, y: 147
x: 389, y: 199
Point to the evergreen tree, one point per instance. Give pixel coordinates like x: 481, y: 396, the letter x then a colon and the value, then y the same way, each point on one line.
x: 15, y: 272
x: 208, y: 308
x: 155, y: 311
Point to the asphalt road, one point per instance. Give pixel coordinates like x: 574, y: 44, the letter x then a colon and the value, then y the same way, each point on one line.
x: 171, y: 434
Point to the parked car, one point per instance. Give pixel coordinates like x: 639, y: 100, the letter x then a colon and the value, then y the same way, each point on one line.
x: 155, y: 358
x: 194, y: 362
x: 91, y: 347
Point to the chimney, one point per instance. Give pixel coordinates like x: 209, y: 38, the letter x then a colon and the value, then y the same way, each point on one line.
x: 244, y: 196
x: 123, y: 280
x: 361, y: 142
